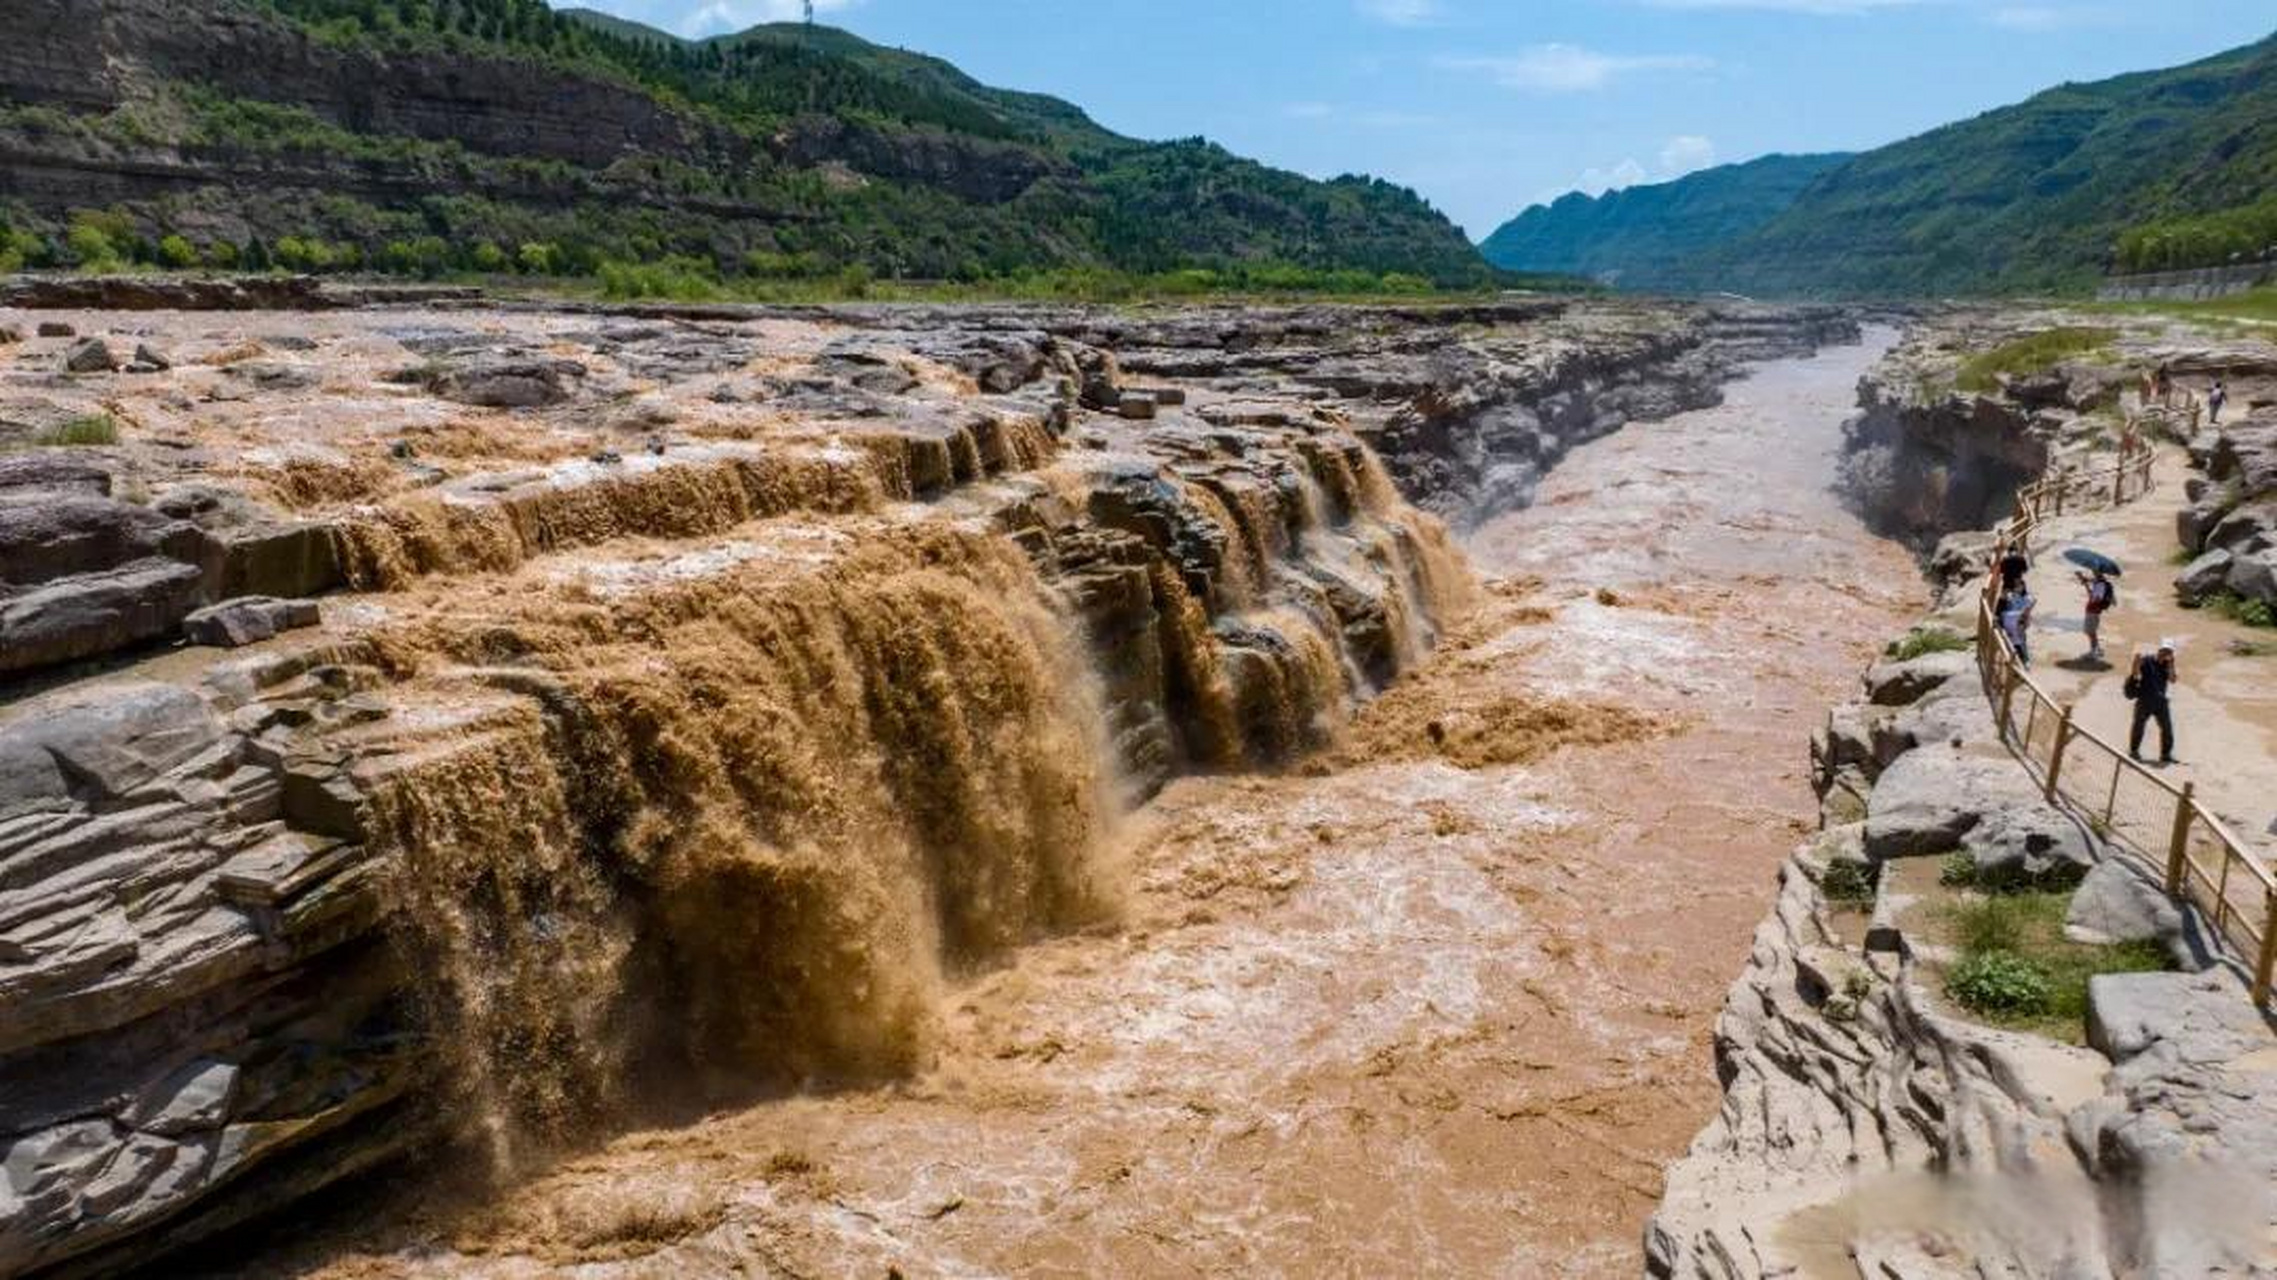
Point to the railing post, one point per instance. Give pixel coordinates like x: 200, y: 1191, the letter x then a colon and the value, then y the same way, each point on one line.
x: 2264, y: 971
x: 2056, y: 757
x: 2119, y: 483
x: 2178, y: 849
x: 2007, y: 687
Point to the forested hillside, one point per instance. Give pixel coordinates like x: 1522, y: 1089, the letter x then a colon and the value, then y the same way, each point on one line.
x: 1632, y: 236
x: 426, y: 136
x: 2155, y: 169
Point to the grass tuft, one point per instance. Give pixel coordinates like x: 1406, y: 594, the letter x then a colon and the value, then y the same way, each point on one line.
x: 1926, y: 640
x: 88, y: 429
x: 2031, y: 354
x: 2017, y: 968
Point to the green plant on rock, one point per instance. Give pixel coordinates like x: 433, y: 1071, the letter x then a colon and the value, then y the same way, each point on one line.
x: 1999, y: 983
x: 2240, y: 610
x: 1958, y: 870
x: 1927, y: 640
x: 1847, y: 881
x: 88, y: 429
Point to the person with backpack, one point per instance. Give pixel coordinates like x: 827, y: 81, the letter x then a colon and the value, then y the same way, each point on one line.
x: 2215, y: 399
x: 2102, y: 597
x: 2150, y: 684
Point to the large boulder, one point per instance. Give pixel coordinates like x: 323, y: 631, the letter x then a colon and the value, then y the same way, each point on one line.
x: 2254, y: 576
x: 246, y: 549
x: 1898, y: 684
x: 2120, y: 901
x: 95, y: 613
x: 508, y: 383
x: 2188, y: 1131
x: 1936, y: 799
x: 91, y: 355
x: 248, y: 620
x: 2203, y: 577
x: 50, y: 472
x: 47, y: 534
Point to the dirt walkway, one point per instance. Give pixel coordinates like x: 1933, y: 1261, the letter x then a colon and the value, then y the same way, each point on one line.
x: 2225, y: 703
x: 1439, y: 1005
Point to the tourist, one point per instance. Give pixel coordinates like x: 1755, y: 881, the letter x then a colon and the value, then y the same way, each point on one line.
x: 2016, y: 620
x: 2013, y: 567
x: 2148, y: 684
x: 2101, y: 595
x: 2215, y: 399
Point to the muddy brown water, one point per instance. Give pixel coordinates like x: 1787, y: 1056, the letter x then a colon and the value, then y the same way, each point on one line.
x: 1438, y: 1003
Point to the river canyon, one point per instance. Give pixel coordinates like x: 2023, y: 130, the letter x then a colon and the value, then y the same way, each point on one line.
x: 910, y: 791
x: 1432, y: 1003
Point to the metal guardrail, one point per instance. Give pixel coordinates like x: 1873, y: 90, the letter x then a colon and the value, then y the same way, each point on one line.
x: 2201, y: 861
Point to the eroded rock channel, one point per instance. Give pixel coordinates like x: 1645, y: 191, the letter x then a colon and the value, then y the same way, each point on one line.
x: 695, y: 711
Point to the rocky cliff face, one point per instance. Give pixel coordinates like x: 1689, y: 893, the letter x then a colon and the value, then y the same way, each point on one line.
x: 1872, y: 1127
x: 2230, y: 527
x: 551, y: 669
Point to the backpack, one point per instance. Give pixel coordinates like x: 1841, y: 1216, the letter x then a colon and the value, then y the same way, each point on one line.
x: 2104, y: 596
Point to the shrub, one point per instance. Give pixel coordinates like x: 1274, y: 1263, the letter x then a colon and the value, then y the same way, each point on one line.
x: 2239, y: 609
x: 91, y: 248
x: 678, y: 279
x: 1958, y: 871
x: 1999, y: 983
x: 1847, y: 880
x: 1926, y: 640
x: 178, y: 253
x: 539, y: 259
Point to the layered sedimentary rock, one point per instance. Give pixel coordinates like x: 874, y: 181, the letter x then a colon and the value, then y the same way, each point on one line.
x: 1926, y: 458
x: 575, y: 699
x: 1869, y: 1126
x: 2230, y: 527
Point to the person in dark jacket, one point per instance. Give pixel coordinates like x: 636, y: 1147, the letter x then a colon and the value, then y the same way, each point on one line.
x: 2152, y: 680
x: 2013, y: 567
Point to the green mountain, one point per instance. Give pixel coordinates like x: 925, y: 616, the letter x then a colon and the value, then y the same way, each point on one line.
x: 1632, y: 236
x: 2155, y: 168
x: 432, y: 135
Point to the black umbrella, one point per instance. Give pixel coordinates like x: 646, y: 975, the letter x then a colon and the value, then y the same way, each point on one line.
x: 2094, y: 562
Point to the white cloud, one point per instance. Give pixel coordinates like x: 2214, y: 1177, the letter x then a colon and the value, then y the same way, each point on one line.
x: 1308, y: 111
x: 2048, y: 17
x: 1685, y: 153
x: 1399, y: 13
x: 1565, y: 68
x: 1596, y: 182
x: 720, y: 16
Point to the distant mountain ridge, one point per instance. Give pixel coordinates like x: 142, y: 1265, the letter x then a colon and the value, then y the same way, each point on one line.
x: 1629, y: 236
x: 443, y: 134
x: 2032, y: 197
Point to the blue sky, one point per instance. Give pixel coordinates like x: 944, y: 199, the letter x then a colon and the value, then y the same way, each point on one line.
x: 1486, y: 106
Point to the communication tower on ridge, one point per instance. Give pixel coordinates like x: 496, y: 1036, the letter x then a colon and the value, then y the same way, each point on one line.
x: 810, y: 12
